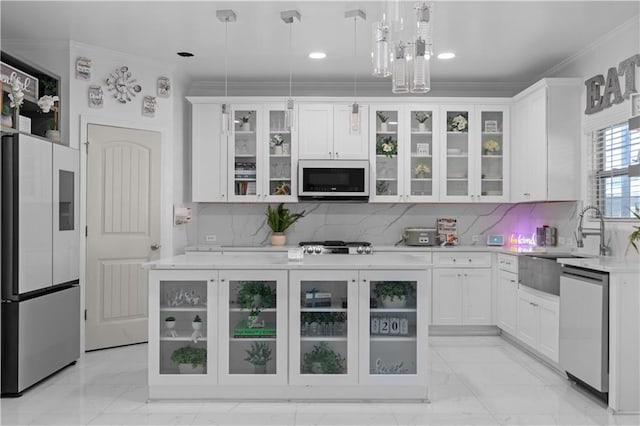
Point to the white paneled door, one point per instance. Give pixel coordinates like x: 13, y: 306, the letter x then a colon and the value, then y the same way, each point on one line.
x: 123, y: 232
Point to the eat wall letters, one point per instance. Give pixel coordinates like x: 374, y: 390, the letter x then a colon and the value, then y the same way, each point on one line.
x: 612, y: 94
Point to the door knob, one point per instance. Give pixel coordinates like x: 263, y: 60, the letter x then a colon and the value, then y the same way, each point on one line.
x: 155, y: 246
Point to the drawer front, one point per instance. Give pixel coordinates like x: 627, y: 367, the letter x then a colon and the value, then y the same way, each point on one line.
x: 462, y: 259
x: 508, y: 263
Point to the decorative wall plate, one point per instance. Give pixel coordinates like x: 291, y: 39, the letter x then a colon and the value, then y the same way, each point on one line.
x: 123, y: 85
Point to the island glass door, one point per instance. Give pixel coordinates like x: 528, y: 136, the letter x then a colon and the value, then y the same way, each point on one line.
x: 323, y: 327
x: 457, y: 154
x: 244, y: 153
x: 253, y: 332
x: 393, y: 327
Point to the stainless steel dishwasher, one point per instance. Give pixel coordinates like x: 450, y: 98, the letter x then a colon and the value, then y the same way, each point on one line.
x: 584, y: 327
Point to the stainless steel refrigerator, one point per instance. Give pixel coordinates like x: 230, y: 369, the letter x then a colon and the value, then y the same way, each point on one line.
x: 40, y: 261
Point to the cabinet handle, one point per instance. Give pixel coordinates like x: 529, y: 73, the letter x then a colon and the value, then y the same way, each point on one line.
x: 459, y: 275
x: 469, y: 260
x: 454, y: 260
x: 213, y: 280
x: 465, y: 275
x: 337, y: 155
x: 222, y: 280
x: 330, y: 154
x: 353, y: 280
x: 364, y: 280
x: 526, y: 194
x: 513, y: 281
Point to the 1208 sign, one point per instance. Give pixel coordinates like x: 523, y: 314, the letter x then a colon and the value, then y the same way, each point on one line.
x: 612, y: 94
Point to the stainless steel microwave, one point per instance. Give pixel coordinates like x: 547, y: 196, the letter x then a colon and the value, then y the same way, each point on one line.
x: 333, y: 180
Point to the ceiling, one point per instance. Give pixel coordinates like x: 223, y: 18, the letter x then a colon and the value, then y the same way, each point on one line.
x: 502, y: 42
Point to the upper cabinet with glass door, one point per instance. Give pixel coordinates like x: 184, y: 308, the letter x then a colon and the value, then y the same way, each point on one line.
x: 386, y: 157
x: 280, y: 161
x: 245, y: 153
x: 491, y: 171
x: 421, y: 171
x: 457, y: 153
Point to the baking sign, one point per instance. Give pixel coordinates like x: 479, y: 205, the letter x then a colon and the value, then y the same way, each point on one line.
x: 29, y: 83
x: 612, y: 94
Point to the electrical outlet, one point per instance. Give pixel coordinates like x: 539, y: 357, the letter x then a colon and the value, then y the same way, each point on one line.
x: 211, y: 238
x: 475, y: 238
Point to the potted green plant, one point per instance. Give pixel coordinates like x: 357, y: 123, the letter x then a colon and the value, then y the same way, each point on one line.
x: 190, y: 360
x: 170, y: 323
x: 323, y: 360
x: 421, y: 118
x: 634, y: 237
x: 244, y: 121
x: 279, y: 220
x: 197, y: 323
x: 7, y: 119
x: 383, y: 121
x: 256, y: 295
x: 393, y: 294
x: 259, y: 354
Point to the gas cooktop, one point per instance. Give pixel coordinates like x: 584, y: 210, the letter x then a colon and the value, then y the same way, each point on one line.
x: 336, y: 247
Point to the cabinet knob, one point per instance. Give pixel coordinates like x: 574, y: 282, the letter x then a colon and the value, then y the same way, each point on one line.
x: 337, y: 155
x: 465, y: 275
x: 353, y: 280
x: 222, y: 280
x: 330, y: 154
x: 364, y: 280
x: 469, y: 260
x: 454, y: 260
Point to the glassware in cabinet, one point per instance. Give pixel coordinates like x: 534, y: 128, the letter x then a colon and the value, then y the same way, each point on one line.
x: 387, y: 153
x: 421, y: 165
x: 245, y: 152
x: 280, y: 155
x: 457, y: 160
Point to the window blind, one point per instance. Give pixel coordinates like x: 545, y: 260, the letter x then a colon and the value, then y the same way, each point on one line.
x: 611, y: 186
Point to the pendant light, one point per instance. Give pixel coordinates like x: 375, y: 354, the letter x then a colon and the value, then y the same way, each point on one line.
x: 354, y: 117
x: 381, y: 44
x: 422, y: 53
x: 288, y: 16
x: 226, y: 16
x: 400, y: 69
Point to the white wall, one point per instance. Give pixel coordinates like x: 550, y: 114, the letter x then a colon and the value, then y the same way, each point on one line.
x: 597, y: 58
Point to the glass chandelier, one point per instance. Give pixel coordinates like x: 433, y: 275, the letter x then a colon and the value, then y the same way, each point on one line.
x: 408, y: 62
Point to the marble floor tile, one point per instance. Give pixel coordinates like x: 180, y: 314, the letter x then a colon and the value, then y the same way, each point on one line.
x: 445, y: 419
x: 336, y: 418
x: 245, y: 419
x: 496, y: 374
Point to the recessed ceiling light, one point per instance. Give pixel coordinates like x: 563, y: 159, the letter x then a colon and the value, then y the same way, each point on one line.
x: 446, y: 55
x: 185, y: 54
x: 317, y: 55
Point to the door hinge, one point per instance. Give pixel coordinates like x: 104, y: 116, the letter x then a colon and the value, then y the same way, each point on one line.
x: 85, y: 314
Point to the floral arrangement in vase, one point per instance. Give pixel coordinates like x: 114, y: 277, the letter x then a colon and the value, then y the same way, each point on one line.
x: 386, y: 146
x: 422, y: 170
x: 276, y: 140
x: 457, y: 123
x: 245, y: 118
x: 491, y: 146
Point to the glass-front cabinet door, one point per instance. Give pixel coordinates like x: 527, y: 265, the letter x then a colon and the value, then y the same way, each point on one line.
x: 280, y: 184
x: 253, y: 327
x: 493, y: 154
x: 421, y: 170
x: 393, y: 327
x: 182, y: 327
x: 386, y: 156
x: 323, y: 318
x: 245, y: 153
x: 457, y: 153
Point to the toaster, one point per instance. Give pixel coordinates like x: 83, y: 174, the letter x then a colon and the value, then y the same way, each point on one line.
x: 420, y: 236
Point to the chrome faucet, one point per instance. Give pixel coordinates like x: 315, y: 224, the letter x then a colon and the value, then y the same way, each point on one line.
x: 583, y: 232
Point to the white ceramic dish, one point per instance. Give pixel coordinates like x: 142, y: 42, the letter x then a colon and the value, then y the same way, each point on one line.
x: 454, y: 151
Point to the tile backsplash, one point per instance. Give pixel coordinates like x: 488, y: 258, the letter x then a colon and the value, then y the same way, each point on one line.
x: 383, y: 224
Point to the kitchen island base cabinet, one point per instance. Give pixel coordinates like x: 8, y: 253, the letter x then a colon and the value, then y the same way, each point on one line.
x: 309, y: 335
x: 539, y: 321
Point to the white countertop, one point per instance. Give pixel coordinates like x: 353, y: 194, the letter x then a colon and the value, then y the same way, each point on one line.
x: 605, y: 264
x: 209, y: 260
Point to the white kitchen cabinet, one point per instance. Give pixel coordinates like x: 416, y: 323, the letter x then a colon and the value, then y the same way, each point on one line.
x: 262, y: 153
x: 546, y: 141
x: 319, y: 352
x: 183, y: 295
x: 539, y: 321
x: 237, y: 336
x: 461, y: 296
x: 507, y: 301
x: 474, y: 166
x: 325, y: 132
x: 408, y: 173
x: 393, y: 346
x: 208, y: 152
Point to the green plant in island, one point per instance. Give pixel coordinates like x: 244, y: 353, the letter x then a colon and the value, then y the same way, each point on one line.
x: 190, y: 355
x: 259, y: 353
x: 393, y: 289
x: 382, y: 117
x: 323, y: 360
x: 256, y: 295
x: 170, y: 319
x: 634, y: 237
x: 280, y: 218
x: 197, y: 319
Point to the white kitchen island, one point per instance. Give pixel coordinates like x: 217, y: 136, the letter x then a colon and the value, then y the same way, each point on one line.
x: 322, y: 321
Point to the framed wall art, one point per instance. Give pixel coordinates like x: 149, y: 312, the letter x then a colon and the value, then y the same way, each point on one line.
x: 490, y: 126
x: 149, y: 106
x: 164, y: 87
x: 96, y: 97
x: 83, y: 69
